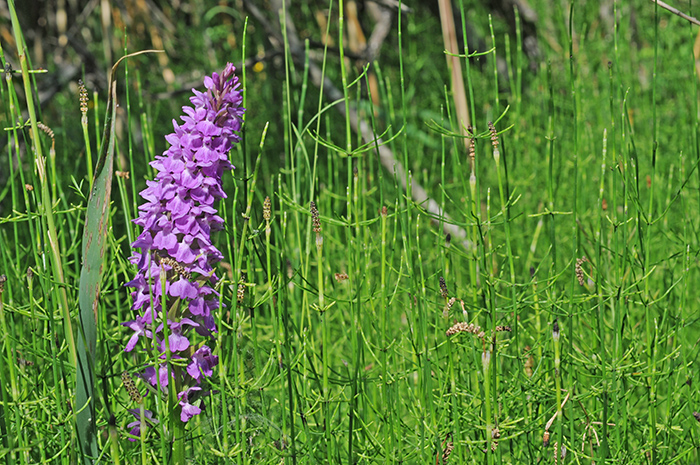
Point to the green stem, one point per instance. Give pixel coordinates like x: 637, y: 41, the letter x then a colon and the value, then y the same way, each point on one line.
x: 45, y: 206
x: 486, y: 363
x: 556, y: 335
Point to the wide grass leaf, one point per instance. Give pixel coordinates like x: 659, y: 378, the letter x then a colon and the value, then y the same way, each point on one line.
x: 94, y: 243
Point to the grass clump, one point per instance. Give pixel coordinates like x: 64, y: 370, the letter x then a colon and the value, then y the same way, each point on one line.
x: 400, y: 285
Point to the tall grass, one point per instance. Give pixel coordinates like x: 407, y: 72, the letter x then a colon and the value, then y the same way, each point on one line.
x: 570, y: 299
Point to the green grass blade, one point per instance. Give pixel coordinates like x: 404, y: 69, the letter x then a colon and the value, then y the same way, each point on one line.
x: 94, y: 243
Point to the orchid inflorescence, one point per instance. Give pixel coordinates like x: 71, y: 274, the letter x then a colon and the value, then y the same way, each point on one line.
x: 176, y: 258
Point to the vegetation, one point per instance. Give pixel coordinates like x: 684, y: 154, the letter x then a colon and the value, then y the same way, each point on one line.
x: 538, y: 305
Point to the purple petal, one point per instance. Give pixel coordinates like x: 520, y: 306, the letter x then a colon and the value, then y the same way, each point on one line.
x: 164, y: 240
x: 188, y: 411
x: 183, y: 289
x: 132, y: 342
x: 178, y: 343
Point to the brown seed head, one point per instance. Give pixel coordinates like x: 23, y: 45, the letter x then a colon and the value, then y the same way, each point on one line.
x: 443, y: 288
x: 451, y: 302
x: 340, y: 277
x: 176, y: 266
x: 464, y: 327
x: 47, y: 130
x: 696, y: 415
x: 545, y: 438
x: 240, y: 293
x: 3, y: 279
x: 579, y: 270
x: 267, y: 208
x: 131, y: 388
x: 315, y: 218
x: 504, y: 328
x: 383, y: 211
x: 122, y: 174
x: 29, y: 187
x: 449, y: 447
x: 494, y: 135
x: 83, y: 97
x: 472, y: 146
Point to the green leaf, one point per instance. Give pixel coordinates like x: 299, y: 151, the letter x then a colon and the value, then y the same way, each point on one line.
x: 94, y: 243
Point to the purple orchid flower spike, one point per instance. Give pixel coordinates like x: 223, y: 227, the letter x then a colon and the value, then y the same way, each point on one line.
x: 176, y: 259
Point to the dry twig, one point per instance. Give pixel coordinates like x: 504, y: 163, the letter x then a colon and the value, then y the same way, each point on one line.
x: 676, y: 11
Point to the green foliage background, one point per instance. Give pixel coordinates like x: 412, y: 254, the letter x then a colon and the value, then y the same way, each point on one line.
x: 598, y: 159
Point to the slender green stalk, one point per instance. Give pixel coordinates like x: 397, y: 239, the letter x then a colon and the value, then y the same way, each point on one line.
x: 86, y: 132
x: 384, y: 348
x: 354, y: 236
x: 359, y: 368
x: 142, y: 419
x: 576, y: 232
x: 616, y: 305
x: 646, y: 246
x: 550, y: 175
x: 600, y: 303
x: 277, y: 324
x: 45, y: 206
x: 486, y: 363
x: 96, y: 112
x: 7, y: 366
x: 556, y: 335
x: 326, y: 337
x: 114, y: 445
x: 473, y: 164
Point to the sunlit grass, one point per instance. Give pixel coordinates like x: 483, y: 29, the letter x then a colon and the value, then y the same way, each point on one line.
x: 332, y: 342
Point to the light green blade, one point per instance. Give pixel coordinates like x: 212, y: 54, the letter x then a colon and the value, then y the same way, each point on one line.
x: 94, y: 243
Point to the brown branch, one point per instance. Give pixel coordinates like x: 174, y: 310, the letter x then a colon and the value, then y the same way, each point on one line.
x: 449, y: 37
x: 382, y: 17
x: 676, y: 12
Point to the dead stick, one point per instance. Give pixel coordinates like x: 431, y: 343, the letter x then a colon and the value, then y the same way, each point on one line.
x: 449, y: 37
x: 676, y: 12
